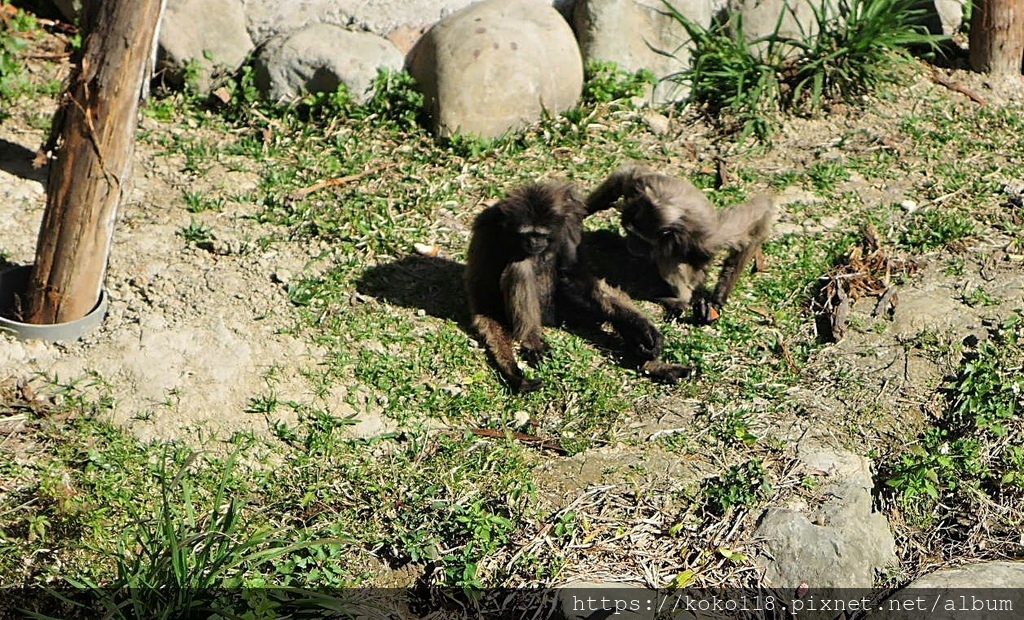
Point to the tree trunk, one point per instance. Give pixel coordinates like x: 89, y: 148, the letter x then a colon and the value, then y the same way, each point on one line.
x: 997, y: 37
x: 94, y: 135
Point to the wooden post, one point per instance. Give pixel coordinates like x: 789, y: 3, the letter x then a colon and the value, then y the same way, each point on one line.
x: 997, y: 37
x: 93, y: 134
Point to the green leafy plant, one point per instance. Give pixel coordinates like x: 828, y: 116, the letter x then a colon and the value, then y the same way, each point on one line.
x: 178, y: 561
x: 825, y: 175
x: 740, y: 485
x: 397, y: 98
x: 979, y: 297
x: 196, y: 233
x: 738, y: 85
x: 733, y: 428
x: 975, y: 446
x: 856, y: 46
x: 852, y: 47
x: 11, y: 44
x: 934, y: 228
x: 604, y: 82
x: 394, y: 99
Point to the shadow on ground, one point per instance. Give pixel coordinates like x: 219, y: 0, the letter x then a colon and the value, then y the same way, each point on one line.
x: 434, y: 285
x: 17, y: 160
x: 606, y: 256
x: 429, y: 283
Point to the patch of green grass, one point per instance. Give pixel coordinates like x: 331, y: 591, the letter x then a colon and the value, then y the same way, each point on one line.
x: 605, y: 82
x: 740, y: 485
x: 181, y: 558
x: 733, y: 428
x: 197, y: 201
x: 980, y: 297
x: 930, y: 229
x: 196, y: 233
x: 826, y: 175
x: 12, y: 42
x: 971, y: 456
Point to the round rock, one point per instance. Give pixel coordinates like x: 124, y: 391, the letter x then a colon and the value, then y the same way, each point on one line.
x: 319, y: 58
x: 496, y: 66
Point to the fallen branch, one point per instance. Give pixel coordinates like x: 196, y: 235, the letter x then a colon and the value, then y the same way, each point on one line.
x: 886, y: 303
x: 941, y: 81
x: 306, y: 191
x: 540, y: 442
x: 787, y: 355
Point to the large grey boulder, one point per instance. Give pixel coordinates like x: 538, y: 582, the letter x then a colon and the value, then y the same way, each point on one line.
x: 948, y: 17
x: 761, y: 17
x: 319, y: 58
x: 496, y: 66
x: 208, y: 32
x: 268, y: 18
x: 637, y: 34
x: 839, y: 543
x: 979, y: 591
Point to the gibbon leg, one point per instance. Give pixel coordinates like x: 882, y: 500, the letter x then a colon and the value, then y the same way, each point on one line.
x: 595, y: 301
x: 743, y: 229
x: 685, y: 279
x: 498, y: 342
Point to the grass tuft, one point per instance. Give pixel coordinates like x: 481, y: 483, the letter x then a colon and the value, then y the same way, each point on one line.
x: 852, y: 47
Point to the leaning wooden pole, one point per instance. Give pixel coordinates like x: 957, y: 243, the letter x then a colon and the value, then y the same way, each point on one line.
x: 93, y: 137
x: 997, y: 37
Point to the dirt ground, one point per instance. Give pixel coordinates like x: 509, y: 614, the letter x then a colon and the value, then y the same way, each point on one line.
x: 191, y: 334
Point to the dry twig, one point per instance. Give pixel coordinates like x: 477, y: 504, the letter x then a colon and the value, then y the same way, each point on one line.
x: 305, y: 191
x: 960, y: 88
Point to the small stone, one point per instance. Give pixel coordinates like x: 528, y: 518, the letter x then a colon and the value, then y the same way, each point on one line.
x: 659, y: 124
x: 909, y: 206
x: 520, y: 419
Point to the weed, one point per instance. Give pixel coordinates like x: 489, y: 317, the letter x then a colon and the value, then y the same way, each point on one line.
x: 826, y: 175
x: 973, y: 453
x: 198, y: 201
x: 397, y: 99
x: 852, y: 47
x: 11, y: 45
x: 954, y: 267
x: 178, y: 561
x: 733, y: 428
x: 740, y: 485
x: 935, y: 228
x: 605, y: 82
x: 727, y: 76
x: 979, y: 297
x: 196, y: 233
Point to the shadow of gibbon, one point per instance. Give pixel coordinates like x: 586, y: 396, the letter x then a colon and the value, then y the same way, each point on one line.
x: 427, y: 283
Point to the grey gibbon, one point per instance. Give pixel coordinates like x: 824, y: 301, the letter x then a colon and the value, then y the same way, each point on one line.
x: 668, y: 220
x: 523, y: 272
